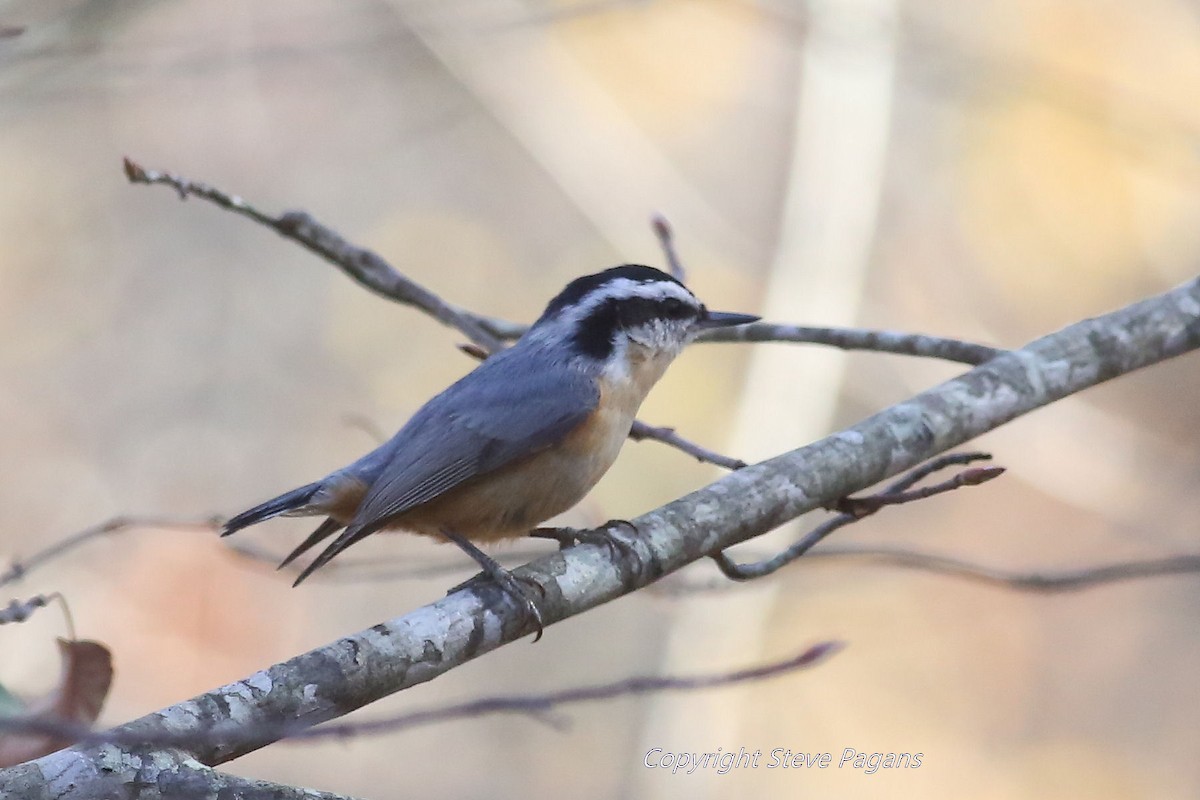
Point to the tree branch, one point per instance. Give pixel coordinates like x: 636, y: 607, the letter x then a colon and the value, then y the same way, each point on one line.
x: 374, y: 273
x: 537, y: 706
x: 905, y: 344
x: 19, y: 567
x: 370, y: 270
x: 356, y: 670
x: 365, y: 267
x: 141, y: 775
x: 854, y: 509
x: 1047, y: 582
x: 642, y: 430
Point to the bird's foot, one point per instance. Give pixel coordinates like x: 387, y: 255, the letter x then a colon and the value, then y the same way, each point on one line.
x: 605, y: 536
x: 520, y: 590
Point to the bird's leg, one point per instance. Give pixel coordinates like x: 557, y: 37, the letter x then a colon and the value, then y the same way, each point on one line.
x: 511, y: 584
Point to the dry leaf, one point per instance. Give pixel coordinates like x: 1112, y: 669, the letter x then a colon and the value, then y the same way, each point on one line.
x: 86, y: 677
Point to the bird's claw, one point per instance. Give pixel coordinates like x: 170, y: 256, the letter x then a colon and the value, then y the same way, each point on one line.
x: 515, y: 588
x: 605, y: 536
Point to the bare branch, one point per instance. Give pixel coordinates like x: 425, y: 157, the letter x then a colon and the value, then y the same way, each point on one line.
x: 1069, y: 580
x: 488, y: 335
x: 19, y: 611
x: 1049, y: 582
x: 642, y: 431
x: 373, y: 272
x: 855, y: 508
x: 666, y: 240
x: 538, y: 706
x: 20, y: 567
x: 156, y: 775
x: 1044, y: 582
x: 364, y: 266
x: 906, y: 344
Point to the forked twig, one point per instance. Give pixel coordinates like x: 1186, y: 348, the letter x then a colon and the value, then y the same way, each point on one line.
x: 853, y: 509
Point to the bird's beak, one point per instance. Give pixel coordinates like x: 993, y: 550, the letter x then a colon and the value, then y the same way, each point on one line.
x: 725, y: 319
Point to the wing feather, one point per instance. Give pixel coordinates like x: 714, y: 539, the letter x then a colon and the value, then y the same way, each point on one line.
x: 488, y: 419
x: 484, y: 428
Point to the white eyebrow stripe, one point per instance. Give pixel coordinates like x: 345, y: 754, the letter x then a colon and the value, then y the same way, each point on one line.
x: 624, y: 289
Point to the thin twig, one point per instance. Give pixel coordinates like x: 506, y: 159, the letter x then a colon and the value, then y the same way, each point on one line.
x: 666, y: 240
x: 373, y: 272
x: 19, y: 567
x: 364, y: 266
x: 906, y: 344
x: 1069, y: 580
x: 537, y: 706
x: 362, y: 422
x: 641, y: 431
x: 854, y: 509
x: 21, y: 610
x: 1043, y: 582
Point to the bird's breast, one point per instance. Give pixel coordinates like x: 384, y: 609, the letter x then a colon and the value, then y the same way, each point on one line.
x: 519, y: 496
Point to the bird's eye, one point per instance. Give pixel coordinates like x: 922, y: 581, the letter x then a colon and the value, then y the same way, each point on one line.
x: 673, y: 306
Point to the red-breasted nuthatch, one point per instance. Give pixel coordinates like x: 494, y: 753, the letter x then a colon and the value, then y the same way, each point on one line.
x: 522, y: 437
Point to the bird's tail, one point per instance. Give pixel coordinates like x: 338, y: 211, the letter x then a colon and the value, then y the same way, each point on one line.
x: 291, y: 501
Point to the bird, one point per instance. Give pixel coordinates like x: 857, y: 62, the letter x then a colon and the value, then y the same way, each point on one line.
x: 519, y: 439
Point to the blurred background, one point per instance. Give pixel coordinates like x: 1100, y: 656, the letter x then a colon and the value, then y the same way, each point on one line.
x: 990, y: 170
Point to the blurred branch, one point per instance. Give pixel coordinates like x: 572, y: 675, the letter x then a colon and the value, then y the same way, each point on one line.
x: 538, y: 706
x: 1044, y: 582
x: 666, y: 240
x: 1048, y: 582
x: 21, y: 610
x: 19, y: 567
x: 1068, y: 580
x: 356, y: 670
x: 377, y: 569
x: 855, y: 508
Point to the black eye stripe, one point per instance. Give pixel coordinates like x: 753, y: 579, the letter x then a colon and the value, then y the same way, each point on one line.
x: 636, y: 311
x: 594, y: 333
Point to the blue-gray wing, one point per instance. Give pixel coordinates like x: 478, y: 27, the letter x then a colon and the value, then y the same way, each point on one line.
x: 488, y: 419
